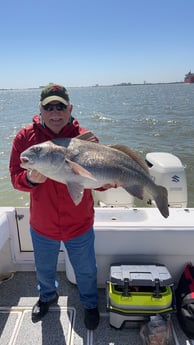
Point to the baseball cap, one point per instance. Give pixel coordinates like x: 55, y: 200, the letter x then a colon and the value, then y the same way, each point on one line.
x: 54, y: 92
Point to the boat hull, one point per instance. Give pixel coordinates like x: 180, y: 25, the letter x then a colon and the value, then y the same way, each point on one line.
x: 189, y: 78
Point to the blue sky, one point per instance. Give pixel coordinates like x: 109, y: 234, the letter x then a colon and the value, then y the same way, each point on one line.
x: 88, y: 42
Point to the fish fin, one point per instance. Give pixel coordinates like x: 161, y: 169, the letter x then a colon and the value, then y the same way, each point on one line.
x: 88, y: 136
x: 76, y: 192
x: 135, y: 190
x: 64, y: 142
x: 125, y: 149
x: 79, y: 170
x: 162, y: 201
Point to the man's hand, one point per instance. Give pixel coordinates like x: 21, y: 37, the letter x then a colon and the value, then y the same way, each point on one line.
x: 109, y: 185
x: 34, y: 176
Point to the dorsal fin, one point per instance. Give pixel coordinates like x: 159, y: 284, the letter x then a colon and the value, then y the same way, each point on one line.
x: 88, y: 136
x: 125, y: 149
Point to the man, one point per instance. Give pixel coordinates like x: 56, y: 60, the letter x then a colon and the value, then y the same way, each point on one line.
x: 53, y: 215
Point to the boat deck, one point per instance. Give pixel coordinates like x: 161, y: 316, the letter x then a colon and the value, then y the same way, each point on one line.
x: 63, y: 325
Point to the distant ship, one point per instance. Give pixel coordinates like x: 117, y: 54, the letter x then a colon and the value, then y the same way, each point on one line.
x: 189, y: 77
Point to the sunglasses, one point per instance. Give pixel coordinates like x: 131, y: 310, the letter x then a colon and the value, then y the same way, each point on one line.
x: 51, y: 107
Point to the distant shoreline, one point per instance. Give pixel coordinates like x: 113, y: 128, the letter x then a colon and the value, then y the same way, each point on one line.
x: 97, y: 85
x: 137, y: 84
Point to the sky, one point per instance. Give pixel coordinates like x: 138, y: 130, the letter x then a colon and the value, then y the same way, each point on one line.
x: 89, y: 42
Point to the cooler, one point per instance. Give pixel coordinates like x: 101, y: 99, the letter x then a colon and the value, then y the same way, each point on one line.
x: 135, y: 292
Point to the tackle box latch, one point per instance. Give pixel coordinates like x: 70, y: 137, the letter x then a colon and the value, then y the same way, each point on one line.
x: 157, y: 293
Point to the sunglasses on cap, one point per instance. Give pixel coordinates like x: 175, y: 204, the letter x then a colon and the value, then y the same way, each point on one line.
x: 51, y: 107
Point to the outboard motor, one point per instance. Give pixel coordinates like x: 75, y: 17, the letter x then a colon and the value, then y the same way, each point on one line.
x: 168, y: 171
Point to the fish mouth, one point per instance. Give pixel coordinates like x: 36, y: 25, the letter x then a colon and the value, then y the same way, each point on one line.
x: 24, y: 161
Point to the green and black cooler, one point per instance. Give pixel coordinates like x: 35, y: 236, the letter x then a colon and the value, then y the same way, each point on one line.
x: 136, y: 292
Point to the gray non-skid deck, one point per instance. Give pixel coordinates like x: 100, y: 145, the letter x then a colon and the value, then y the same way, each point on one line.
x: 63, y: 325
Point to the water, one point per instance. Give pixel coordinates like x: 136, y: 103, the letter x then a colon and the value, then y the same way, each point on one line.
x: 145, y: 117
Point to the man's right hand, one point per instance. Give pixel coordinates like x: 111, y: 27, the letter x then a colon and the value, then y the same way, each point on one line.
x: 34, y: 176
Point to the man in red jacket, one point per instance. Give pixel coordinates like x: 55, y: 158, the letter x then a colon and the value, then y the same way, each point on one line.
x: 53, y: 215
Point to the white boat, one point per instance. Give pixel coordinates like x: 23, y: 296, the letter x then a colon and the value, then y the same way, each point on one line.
x: 124, y: 233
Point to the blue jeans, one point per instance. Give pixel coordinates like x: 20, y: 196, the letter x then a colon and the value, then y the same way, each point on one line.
x: 82, y: 257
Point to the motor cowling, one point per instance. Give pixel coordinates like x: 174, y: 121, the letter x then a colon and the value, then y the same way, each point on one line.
x: 167, y: 170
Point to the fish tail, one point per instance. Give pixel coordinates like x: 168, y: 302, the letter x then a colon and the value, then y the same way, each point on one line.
x: 162, y: 201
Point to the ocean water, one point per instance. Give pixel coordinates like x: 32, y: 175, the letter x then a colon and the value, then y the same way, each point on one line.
x: 147, y: 118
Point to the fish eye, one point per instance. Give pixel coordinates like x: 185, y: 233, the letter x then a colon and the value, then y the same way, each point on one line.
x: 37, y: 149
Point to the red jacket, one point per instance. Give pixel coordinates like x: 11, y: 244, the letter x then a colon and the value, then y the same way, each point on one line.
x: 52, y: 211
